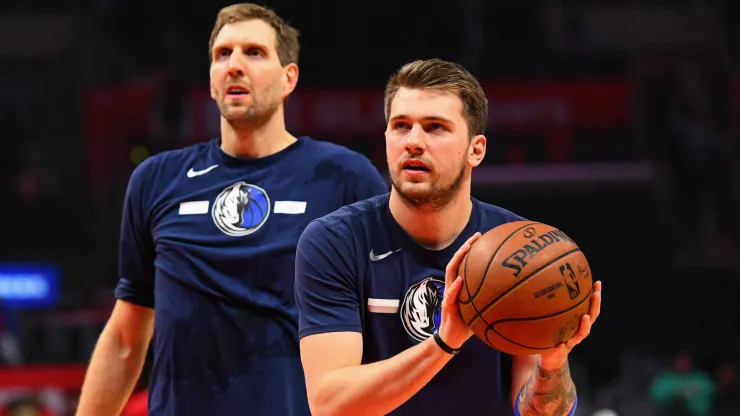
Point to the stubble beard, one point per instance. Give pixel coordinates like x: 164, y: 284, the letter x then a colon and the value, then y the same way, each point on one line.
x: 263, y: 107
x: 254, y: 115
x: 434, y: 196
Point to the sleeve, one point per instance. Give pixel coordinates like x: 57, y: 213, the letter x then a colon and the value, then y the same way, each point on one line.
x: 325, y: 282
x: 366, y: 182
x: 136, y: 245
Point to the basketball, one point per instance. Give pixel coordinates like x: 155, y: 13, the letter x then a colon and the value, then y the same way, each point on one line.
x: 526, y: 286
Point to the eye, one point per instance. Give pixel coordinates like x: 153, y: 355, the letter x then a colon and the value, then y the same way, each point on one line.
x: 255, y: 52
x: 436, y: 127
x: 400, y: 126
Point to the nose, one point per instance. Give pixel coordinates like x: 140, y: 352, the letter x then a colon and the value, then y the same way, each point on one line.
x: 416, y: 140
x: 236, y: 63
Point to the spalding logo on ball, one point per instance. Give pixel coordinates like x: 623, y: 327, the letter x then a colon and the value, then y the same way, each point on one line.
x: 526, y: 286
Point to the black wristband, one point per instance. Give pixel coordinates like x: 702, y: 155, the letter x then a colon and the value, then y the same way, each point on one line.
x: 446, y: 348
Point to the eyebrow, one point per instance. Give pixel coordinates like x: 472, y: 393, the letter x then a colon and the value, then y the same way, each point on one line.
x: 230, y: 45
x: 427, y: 118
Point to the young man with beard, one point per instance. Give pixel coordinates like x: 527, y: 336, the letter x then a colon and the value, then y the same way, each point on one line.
x: 376, y: 282
x: 208, y: 241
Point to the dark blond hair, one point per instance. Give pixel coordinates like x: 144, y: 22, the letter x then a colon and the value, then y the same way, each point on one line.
x: 286, y: 37
x: 444, y: 76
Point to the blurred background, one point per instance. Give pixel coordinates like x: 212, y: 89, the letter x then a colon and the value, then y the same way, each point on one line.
x: 614, y: 120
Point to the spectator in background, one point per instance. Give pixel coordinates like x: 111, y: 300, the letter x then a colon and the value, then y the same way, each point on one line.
x: 727, y: 399
x: 682, y: 390
x: 25, y: 407
x: 10, y: 350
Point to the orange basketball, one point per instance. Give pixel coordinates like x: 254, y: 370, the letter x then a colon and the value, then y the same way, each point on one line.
x: 526, y: 286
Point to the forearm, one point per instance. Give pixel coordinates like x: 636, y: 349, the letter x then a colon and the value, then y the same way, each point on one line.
x: 111, y: 375
x: 548, y: 392
x: 379, y: 388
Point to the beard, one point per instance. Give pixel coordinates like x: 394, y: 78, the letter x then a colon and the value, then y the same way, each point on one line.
x: 432, y: 194
x: 255, y: 114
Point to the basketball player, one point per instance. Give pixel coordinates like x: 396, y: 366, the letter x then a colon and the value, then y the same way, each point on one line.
x: 376, y: 282
x: 208, y: 243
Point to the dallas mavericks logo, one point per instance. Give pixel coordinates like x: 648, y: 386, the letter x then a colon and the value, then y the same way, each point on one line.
x: 241, y: 209
x: 421, y: 310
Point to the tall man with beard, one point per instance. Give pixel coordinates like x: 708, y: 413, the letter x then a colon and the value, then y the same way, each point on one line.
x: 208, y: 240
x: 376, y: 281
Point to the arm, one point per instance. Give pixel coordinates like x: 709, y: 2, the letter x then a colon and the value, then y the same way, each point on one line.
x: 331, y: 333
x: 337, y: 384
x: 120, y: 352
x: 546, y: 391
x: 522, y: 367
x: 549, y: 390
x: 117, y: 360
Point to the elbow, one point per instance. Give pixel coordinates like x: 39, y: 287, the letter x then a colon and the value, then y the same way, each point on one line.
x: 126, y: 346
x: 322, y: 401
x: 322, y: 405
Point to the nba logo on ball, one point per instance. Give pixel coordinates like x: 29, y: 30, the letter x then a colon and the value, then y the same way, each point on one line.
x: 241, y: 209
x: 421, y: 311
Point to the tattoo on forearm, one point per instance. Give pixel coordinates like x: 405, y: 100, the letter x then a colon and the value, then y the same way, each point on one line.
x: 548, y: 393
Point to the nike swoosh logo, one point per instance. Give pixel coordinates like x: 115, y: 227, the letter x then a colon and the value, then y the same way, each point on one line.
x: 193, y: 173
x: 378, y: 257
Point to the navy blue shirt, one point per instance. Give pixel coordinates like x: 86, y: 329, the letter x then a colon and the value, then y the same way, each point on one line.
x: 209, y: 242
x: 357, y: 270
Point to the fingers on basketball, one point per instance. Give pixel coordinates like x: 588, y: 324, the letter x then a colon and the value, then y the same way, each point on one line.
x: 451, y: 296
x: 596, y: 302
x: 454, y: 264
x: 584, y: 330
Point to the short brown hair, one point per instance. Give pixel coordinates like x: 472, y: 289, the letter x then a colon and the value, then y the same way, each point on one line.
x: 445, y: 76
x: 286, y: 37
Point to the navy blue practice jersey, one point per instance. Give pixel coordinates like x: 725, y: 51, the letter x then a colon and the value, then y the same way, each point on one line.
x: 357, y: 270
x: 209, y: 242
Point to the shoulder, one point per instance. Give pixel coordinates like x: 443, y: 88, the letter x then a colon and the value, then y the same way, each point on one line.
x: 156, y: 173
x: 335, y: 153
x: 347, y: 222
x: 495, y: 215
x: 163, y: 167
x: 177, y: 157
x: 170, y: 161
x: 356, y: 215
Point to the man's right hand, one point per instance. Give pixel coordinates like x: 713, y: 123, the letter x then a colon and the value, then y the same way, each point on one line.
x: 453, y: 330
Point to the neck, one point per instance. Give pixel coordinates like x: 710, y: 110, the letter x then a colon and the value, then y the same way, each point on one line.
x: 431, y: 227
x: 253, y: 142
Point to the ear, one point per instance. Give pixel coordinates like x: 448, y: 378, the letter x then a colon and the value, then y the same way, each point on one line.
x: 214, y: 94
x: 290, y: 79
x: 477, y: 150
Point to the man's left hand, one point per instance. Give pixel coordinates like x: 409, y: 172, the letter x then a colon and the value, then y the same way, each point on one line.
x: 557, y: 357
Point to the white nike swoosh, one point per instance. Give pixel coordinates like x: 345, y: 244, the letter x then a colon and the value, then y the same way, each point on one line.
x: 374, y: 257
x: 193, y: 173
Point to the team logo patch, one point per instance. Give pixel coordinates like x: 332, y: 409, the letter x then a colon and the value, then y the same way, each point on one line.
x: 241, y: 209
x: 421, y: 310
